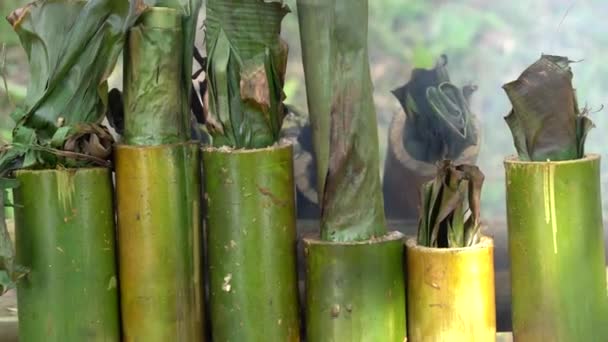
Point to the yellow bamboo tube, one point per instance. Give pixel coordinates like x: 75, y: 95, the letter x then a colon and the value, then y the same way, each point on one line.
x: 450, y: 293
x: 159, y: 237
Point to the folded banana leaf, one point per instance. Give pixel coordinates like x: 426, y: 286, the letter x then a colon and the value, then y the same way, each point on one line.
x: 72, y: 47
x: 546, y: 122
x: 450, y: 210
x: 157, y: 74
x: 439, y: 123
x: 343, y: 118
x: 246, y: 65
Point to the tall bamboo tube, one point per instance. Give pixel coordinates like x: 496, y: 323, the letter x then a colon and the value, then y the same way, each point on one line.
x: 158, y: 196
x: 354, y: 274
x: 450, y: 293
x: 251, y: 238
x: 556, y: 247
x: 64, y: 226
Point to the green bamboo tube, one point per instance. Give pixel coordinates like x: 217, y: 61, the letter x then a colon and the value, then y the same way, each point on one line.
x: 556, y: 247
x: 159, y: 235
x: 355, y: 290
x: 64, y: 226
x: 251, y: 241
x: 450, y: 293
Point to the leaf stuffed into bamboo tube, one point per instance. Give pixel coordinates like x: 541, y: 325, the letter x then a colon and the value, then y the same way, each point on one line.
x: 546, y: 121
x: 450, y: 211
x: 158, y: 179
x: 157, y: 69
x: 64, y: 212
x: 153, y: 89
x: 60, y: 38
x: 554, y: 211
x: 246, y: 68
x: 450, y: 266
x: 248, y: 175
x: 345, y: 303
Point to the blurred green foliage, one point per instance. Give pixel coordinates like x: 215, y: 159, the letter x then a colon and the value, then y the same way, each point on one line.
x: 488, y: 43
x: 6, y: 32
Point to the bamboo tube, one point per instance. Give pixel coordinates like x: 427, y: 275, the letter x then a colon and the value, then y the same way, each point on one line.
x: 251, y: 239
x: 450, y: 293
x: 355, y: 290
x: 556, y: 249
x: 64, y: 224
x: 158, y: 197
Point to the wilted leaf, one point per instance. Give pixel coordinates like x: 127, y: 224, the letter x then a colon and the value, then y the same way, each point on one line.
x: 451, y: 207
x: 545, y: 121
x: 439, y: 118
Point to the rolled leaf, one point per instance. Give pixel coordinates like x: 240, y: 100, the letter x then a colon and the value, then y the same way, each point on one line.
x: 439, y: 120
x: 245, y: 69
x: 545, y: 121
x: 157, y: 74
x: 342, y: 114
x: 450, y: 211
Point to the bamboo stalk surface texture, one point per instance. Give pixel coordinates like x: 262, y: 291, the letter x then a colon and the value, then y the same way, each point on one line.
x: 64, y: 226
x: 158, y: 196
x: 251, y: 238
x: 556, y: 248
x: 355, y: 290
x: 450, y: 293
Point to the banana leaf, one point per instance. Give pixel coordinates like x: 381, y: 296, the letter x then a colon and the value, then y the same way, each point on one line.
x: 72, y: 47
x: 246, y: 65
x: 156, y: 97
x: 450, y: 210
x: 343, y: 117
x: 439, y: 123
x: 546, y: 122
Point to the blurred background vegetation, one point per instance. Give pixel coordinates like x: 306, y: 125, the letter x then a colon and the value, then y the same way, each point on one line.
x: 488, y: 43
